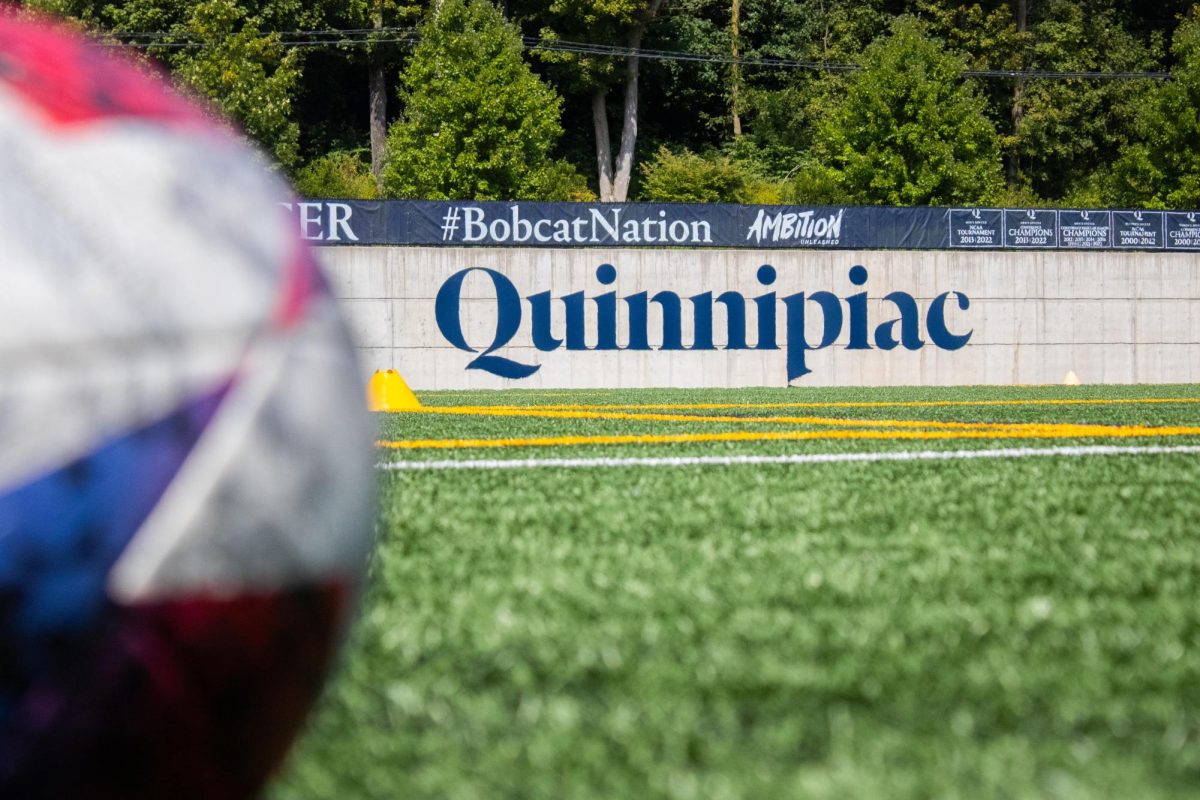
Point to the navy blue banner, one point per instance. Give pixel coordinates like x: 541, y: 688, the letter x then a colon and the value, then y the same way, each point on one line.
x: 522, y: 224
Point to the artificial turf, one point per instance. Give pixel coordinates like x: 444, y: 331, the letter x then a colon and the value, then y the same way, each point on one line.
x: 987, y: 628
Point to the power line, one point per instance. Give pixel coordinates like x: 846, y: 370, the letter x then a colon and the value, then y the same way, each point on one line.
x: 297, y: 38
x: 299, y: 43
x: 132, y: 36
x: 359, y: 37
x: 584, y: 48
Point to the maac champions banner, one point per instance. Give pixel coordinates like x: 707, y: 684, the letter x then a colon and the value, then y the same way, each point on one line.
x: 521, y: 224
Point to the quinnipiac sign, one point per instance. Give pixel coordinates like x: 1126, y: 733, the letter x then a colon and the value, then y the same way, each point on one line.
x: 679, y: 225
x: 574, y: 322
x: 544, y: 295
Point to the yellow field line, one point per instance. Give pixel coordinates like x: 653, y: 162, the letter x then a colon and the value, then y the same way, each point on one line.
x: 548, y: 413
x: 1045, y: 432
x: 438, y: 393
x: 862, y: 404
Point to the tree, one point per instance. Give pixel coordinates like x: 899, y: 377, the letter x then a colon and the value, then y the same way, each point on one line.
x: 380, y: 55
x: 908, y: 130
x: 784, y: 106
x: 989, y: 35
x: 234, y: 55
x: 687, y: 103
x: 1072, y: 128
x: 1063, y: 139
x: 1161, y: 169
x: 609, y: 22
x: 477, y: 123
x: 1058, y: 132
x: 248, y: 74
x: 87, y: 11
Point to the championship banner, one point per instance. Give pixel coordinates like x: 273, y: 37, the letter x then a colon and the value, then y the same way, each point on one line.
x: 559, y: 225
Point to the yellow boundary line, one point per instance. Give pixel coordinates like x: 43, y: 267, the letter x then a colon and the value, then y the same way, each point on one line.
x: 546, y: 413
x: 850, y: 404
x: 892, y: 429
x: 1047, y: 432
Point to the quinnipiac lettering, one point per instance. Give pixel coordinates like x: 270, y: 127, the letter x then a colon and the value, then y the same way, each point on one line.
x: 902, y: 328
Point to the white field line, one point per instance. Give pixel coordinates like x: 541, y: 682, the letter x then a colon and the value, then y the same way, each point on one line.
x: 797, y: 458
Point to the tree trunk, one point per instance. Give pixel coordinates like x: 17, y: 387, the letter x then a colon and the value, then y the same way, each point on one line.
x: 623, y: 169
x: 735, y: 89
x: 614, y: 177
x: 825, y: 34
x: 1021, y: 7
x: 604, y: 165
x: 377, y: 98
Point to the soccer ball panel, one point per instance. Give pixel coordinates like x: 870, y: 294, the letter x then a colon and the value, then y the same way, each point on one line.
x: 269, y: 497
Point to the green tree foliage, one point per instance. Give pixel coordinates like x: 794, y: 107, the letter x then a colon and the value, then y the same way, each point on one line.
x: 86, y: 11
x: 1067, y: 141
x: 783, y: 106
x: 987, y: 36
x: 686, y: 177
x: 699, y: 91
x: 821, y: 31
x: 1072, y: 128
x: 906, y: 130
x: 623, y: 23
x: 380, y: 57
x: 337, y: 174
x: 984, y: 34
x: 246, y: 73
x: 599, y: 21
x: 235, y: 57
x: 1162, y: 168
x: 477, y: 123
x: 1058, y: 132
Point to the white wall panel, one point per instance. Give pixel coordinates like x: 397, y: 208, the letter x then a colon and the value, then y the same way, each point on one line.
x: 1116, y: 317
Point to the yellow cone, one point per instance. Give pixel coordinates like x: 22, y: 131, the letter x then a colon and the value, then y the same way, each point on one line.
x: 1071, y: 379
x: 387, y: 391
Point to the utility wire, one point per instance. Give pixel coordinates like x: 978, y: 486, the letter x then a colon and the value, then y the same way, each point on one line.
x: 358, y: 37
x: 584, y: 48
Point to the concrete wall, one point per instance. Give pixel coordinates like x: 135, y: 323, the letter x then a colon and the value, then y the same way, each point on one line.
x: 1111, y: 317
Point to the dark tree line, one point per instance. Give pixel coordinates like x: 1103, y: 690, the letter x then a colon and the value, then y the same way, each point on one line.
x: 1021, y: 102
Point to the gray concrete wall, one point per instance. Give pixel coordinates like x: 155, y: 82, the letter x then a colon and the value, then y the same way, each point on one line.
x: 1111, y: 317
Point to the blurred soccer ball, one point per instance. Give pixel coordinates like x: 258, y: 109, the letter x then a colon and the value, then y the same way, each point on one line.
x: 185, y: 476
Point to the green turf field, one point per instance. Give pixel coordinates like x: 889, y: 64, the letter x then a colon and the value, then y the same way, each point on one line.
x: 643, y: 613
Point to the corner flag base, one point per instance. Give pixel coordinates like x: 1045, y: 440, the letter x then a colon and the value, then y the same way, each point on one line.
x: 387, y: 391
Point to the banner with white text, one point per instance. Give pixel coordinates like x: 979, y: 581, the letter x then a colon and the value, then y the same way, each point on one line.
x: 558, y: 225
